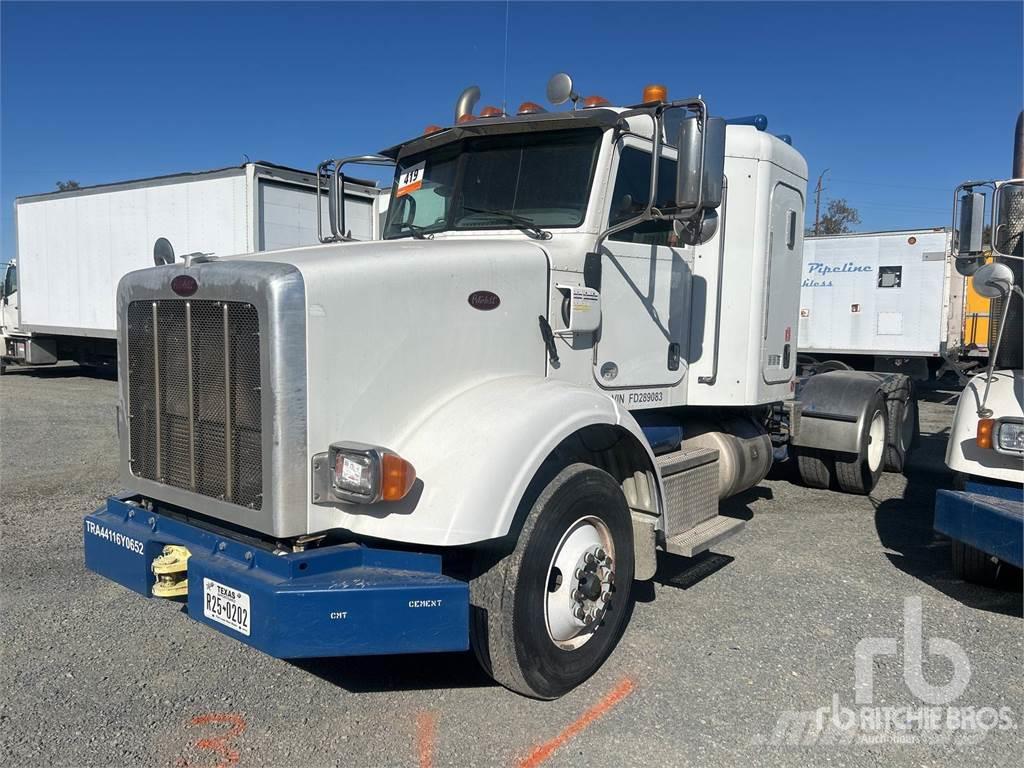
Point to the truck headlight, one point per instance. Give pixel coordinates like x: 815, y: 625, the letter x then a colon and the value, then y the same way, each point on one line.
x: 368, y: 473
x: 1010, y: 437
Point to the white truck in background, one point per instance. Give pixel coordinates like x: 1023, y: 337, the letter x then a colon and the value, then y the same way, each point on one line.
x: 74, y: 246
x: 887, y: 301
x: 575, y: 337
x: 983, y: 514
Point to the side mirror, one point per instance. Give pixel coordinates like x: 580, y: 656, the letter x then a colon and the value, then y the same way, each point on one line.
x: 993, y: 281
x: 1007, y: 217
x: 972, y: 224
x: 699, y: 184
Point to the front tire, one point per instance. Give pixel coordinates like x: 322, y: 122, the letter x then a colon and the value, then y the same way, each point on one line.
x: 973, y: 565
x: 547, y: 615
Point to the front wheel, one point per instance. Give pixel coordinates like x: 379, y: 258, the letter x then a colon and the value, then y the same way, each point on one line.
x: 547, y: 615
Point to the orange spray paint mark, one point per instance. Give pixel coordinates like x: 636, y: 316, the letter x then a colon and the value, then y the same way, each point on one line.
x: 426, y: 723
x: 543, y: 751
x: 226, y: 755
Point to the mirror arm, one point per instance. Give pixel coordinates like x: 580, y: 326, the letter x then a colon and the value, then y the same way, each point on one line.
x: 336, y: 193
x: 657, y: 117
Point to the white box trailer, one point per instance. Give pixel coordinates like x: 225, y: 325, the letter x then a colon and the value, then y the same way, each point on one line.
x: 881, y: 301
x: 73, y: 247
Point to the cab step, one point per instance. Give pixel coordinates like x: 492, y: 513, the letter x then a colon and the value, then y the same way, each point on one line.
x: 703, y: 536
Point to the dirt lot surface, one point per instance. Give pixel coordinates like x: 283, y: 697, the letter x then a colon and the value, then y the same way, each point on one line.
x: 729, y: 659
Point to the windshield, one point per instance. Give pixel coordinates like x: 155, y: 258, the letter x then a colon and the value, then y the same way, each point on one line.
x: 510, y: 181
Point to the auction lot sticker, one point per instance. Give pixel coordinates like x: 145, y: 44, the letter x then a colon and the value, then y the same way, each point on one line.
x: 411, y: 179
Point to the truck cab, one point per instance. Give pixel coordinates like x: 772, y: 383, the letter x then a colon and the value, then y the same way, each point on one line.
x: 577, y: 335
x: 983, y: 514
x: 9, y: 314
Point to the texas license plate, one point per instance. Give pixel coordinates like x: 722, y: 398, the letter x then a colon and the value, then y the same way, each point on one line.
x: 226, y: 605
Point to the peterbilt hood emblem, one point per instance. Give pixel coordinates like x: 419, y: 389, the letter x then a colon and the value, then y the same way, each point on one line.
x: 484, y: 300
x: 184, y: 285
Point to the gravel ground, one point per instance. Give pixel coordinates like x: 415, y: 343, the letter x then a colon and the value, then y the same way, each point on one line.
x: 719, y: 651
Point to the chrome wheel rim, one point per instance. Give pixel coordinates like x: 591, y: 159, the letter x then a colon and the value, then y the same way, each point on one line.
x: 580, y: 581
x: 876, y: 441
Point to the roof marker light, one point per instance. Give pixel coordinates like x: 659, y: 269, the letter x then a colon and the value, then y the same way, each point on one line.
x: 468, y: 118
x: 431, y: 129
x: 655, y: 92
x: 491, y: 112
x: 595, y: 101
x: 530, y: 108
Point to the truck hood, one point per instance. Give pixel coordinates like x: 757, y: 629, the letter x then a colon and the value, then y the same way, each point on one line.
x: 396, y: 328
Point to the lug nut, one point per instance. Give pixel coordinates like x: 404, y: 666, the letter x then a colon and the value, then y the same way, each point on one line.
x: 580, y: 573
x: 579, y: 613
x: 601, y: 554
x: 576, y: 595
x: 606, y: 597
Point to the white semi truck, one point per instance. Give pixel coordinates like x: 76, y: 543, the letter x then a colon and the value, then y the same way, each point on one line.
x: 984, y: 514
x: 74, y: 246
x: 577, y: 335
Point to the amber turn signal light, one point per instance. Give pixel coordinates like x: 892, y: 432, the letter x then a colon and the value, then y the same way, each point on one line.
x: 397, y: 477
x: 985, y: 429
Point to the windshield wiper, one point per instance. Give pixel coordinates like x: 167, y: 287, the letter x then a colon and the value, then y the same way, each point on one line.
x: 520, y: 221
x: 416, y: 231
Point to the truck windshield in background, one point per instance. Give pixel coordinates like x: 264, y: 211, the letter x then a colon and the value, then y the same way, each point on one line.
x: 505, y: 181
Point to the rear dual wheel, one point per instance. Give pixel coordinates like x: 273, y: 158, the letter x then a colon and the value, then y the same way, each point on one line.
x: 850, y: 472
x: 860, y: 472
x: 547, y: 615
x: 904, y: 424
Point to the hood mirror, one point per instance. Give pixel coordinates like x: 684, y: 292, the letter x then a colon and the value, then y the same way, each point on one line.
x: 560, y: 89
x: 993, y: 281
x: 163, y: 252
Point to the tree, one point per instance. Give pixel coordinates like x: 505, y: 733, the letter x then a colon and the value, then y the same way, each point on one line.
x: 64, y: 186
x: 839, y: 217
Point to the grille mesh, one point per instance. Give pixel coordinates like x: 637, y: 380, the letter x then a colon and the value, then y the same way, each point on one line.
x: 204, y: 437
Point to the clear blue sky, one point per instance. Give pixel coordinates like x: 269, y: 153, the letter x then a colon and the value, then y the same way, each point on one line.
x: 879, y: 93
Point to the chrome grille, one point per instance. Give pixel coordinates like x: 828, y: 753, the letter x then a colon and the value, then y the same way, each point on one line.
x: 194, y: 400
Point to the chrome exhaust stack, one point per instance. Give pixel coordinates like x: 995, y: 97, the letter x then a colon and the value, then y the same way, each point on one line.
x: 466, y: 102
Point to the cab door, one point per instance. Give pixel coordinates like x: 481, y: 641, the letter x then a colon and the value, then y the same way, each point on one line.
x: 645, y: 285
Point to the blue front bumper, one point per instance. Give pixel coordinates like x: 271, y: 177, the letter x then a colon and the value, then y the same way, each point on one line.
x: 343, y: 600
x: 988, y: 517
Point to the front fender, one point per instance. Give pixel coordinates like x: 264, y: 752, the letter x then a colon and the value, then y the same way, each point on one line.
x: 476, y: 454
x: 1006, y: 401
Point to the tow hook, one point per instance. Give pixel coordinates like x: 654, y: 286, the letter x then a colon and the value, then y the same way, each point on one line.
x: 171, y: 571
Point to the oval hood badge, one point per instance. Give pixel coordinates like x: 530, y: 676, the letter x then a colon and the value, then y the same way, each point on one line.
x: 484, y: 300
x: 184, y: 285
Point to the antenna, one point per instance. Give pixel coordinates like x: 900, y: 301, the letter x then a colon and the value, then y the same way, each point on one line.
x: 504, y: 80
